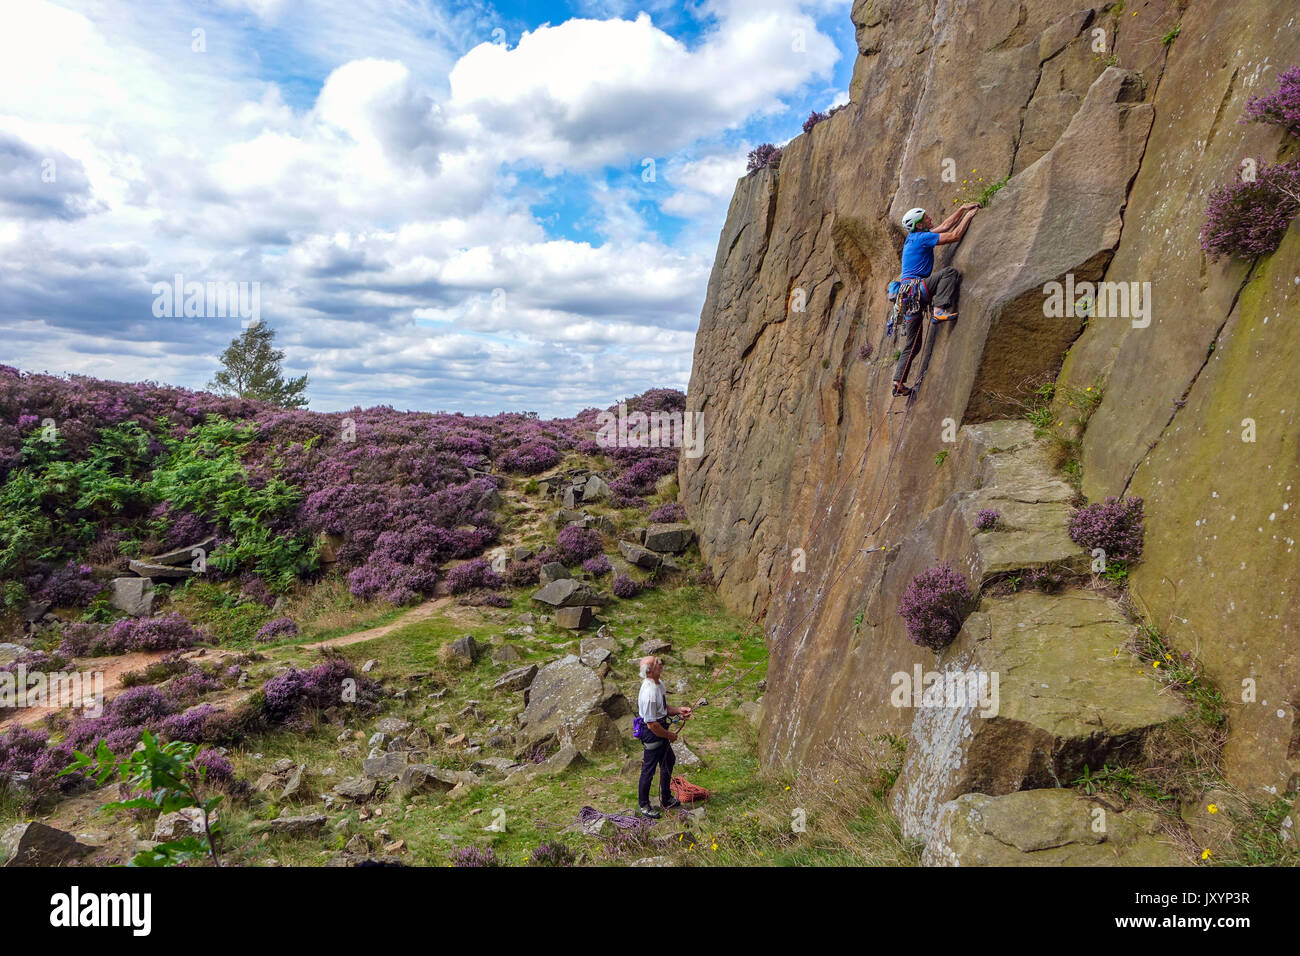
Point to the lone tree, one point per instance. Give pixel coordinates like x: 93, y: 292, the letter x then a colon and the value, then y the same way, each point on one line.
x: 252, y: 370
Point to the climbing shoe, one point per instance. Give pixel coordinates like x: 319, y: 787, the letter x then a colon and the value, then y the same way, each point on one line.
x: 649, y: 812
x: 672, y: 803
x: 902, y: 390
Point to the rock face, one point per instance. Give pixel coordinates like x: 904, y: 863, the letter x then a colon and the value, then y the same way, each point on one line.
x: 1056, y: 697
x: 825, y: 497
x: 1045, y: 828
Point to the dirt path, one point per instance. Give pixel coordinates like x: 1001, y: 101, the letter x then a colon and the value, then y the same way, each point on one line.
x: 421, y: 612
x: 112, y: 668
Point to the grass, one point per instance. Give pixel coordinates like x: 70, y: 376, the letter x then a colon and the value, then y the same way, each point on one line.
x: 833, y: 814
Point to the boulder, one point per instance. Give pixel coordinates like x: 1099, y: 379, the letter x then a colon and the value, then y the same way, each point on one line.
x: 517, y: 679
x: 567, y: 515
x: 392, y: 726
x: 506, y: 654
x: 297, y: 784
x: 573, y: 618
x: 671, y: 538
x: 685, y: 756
x: 562, y: 761
x: 160, y: 572
x: 36, y: 844
x: 134, y: 596
x: 357, y: 789
x: 465, y: 648
x: 602, y: 641
x: 654, y: 647
x: 11, y: 652
x: 180, y: 824
x: 1053, y: 827
x: 569, y: 593
x: 594, y: 657
x: 385, y: 766
x: 561, y: 694
x: 293, y: 826
x: 595, y: 734
x: 697, y: 657
x: 490, y: 500
x: 553, y: 571
x: 426, y: 778
x: 522, y: 552
x: 595, y: 489
x: 641, y: 557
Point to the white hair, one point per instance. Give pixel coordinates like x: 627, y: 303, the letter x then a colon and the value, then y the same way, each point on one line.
x: 646, y: 664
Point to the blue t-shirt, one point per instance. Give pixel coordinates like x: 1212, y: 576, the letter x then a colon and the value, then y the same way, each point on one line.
x: 918, y: 254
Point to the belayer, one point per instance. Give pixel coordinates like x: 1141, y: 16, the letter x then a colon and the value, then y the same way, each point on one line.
x: 651, y: 727
x: 916, y: 289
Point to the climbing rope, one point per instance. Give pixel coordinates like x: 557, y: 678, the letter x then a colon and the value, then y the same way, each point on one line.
x: 687, y: 792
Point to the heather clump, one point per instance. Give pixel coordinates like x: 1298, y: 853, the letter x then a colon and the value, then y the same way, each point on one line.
x: 291, y: 698
x: 553, y: 853
x: 934, y: 605
x: 987, y: 519
x: 1115, y: 526
x: 522, y: 574
x: 599, y: 565
x: 668, y: 513
x: 474, y: 856
x: 473, y: 574
x: 625, y: 586
x: 30, y: 769
x: 277, y: 629
x: 577, y: 544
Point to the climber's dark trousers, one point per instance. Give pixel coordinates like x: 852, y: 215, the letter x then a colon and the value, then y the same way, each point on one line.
x: 911, y: 340
x: 942, y: 291
x: 652, y: 759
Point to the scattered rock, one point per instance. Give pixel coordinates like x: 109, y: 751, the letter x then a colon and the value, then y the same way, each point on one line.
x: 685, y: 756
x: 641, y: 557
x: 133, y: 596
x: 506, y: 654
x: 180, y: 824
x: 669, y: 538
x: 655, y: 647
x: 563, y: 760
x: 553, y: 571
x: 573, y: 618
x: 35, y: 844
x: 517, y: 679
x: 393, y: 726
x: 562, y: 693
x: 291, y: 825
x: 385, y: 766
x: 569, y: 593
x: 357, y: 789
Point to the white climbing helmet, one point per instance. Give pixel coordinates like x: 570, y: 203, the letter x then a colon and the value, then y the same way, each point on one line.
x: 912, y: 218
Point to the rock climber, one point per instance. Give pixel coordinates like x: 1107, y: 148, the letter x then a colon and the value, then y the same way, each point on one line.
x: 656, y: 739
x: 916, y: 288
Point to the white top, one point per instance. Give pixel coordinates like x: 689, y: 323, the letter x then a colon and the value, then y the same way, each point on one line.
x: 650, y: 702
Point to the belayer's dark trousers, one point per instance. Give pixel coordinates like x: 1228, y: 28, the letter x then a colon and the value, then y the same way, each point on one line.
x: 656, y: 757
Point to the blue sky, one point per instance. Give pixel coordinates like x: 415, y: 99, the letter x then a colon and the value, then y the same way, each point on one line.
x: 442, y: 205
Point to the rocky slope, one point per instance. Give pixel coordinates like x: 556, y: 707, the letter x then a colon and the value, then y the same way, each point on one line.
x: 817, y: 499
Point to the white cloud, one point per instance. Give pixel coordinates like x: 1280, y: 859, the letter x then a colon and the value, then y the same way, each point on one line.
x: 346, y: 158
